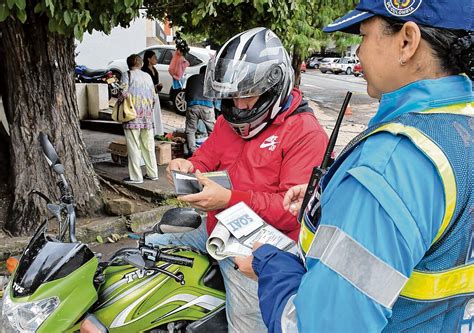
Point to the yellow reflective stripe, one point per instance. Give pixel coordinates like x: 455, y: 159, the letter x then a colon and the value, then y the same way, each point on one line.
x: 305, y: 237
x: 441, y: 162
x: 466, y: 109
x: 437, y: 285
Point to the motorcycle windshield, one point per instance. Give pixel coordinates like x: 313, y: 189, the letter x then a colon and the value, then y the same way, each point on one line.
x: 46, y: 260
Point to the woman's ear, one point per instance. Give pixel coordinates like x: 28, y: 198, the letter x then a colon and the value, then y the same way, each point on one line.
x: 410, y: 37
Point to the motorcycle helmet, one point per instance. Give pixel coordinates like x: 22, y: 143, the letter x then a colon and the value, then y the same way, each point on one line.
x: 252, y: 63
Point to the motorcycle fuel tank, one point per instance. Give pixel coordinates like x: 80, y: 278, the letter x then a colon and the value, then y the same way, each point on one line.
x: 133, y: 300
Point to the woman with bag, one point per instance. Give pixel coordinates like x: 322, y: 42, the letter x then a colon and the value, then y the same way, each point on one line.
x: 139, y: 131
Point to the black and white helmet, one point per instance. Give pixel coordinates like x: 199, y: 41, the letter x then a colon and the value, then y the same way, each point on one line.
x: 252, y: 63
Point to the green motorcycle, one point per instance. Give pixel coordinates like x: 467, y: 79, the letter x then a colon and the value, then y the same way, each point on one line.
x: 60, y: 284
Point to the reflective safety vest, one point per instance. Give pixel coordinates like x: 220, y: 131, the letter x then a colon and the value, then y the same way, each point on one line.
x: 439, y: 295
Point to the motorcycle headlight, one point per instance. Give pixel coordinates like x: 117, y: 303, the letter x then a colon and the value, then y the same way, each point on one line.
x: 27, y: 317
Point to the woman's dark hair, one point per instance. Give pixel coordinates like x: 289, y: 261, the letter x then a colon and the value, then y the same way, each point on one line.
x: 146, y: 57
x: 453, y: 48
x: 133, y: 60
x: 181, y: 44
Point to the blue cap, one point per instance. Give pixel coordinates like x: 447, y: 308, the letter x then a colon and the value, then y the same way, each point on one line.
x: 446, y: 14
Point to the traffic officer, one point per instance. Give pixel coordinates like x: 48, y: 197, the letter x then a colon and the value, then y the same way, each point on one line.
x: 389, y: 245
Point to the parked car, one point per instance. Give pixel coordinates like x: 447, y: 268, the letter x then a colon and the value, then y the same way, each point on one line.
x: 197, y: 58
x: 314, y: 62
x: 358, y: 70
x: 303, y: 67
x: 326, y: 64
x: 344, y: 65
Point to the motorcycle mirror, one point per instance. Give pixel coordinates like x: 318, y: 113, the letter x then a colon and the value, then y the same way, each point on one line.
x: 178, y: 220
x: 135, y: 260
x: 50, y: 154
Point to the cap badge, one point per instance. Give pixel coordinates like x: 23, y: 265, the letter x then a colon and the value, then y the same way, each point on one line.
x: 402, y: 7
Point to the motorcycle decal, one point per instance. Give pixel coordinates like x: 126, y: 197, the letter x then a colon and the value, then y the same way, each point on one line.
x: 207, y: 302
x: 138, y: 274
x: 119, y: 283
x: 121, y: 318
x: 18, y: 288
x: 106, y: 293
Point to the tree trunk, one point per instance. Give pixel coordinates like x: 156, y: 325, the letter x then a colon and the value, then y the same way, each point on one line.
x: 40, y: 94
x: 296, y: 64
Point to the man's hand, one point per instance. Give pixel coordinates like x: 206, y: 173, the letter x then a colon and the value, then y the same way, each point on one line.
x: 244, y: 264
x: 178, y: 164
x: 212, y: 197
x: 294, y: 198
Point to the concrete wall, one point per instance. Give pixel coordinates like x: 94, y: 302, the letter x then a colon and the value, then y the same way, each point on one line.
x: 97, y: 49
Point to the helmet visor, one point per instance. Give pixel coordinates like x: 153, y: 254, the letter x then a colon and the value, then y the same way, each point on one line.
x: 229, y: 78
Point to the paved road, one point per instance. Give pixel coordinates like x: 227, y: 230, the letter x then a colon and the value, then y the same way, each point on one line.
x: 328, y: 92
x: 330, y: 88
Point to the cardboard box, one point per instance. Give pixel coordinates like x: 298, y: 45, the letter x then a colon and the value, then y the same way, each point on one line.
x: 163, y: 152
x: 118, y: 150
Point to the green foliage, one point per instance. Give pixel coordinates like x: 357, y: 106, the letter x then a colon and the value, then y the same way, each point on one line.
x: 297, y: 22
x: 73, y: 17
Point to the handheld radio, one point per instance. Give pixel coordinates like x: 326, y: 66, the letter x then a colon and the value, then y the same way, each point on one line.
x: 318, y: 172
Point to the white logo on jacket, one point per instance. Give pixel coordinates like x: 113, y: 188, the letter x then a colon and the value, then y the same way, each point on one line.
x: 270, y: 143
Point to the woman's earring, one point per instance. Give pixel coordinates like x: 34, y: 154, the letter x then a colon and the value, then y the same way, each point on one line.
x: 402, y: 62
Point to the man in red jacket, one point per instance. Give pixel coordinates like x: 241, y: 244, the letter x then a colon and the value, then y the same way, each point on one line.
x: 267, y: 139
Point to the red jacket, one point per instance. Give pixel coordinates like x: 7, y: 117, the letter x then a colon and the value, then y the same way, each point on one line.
x: 263, y: 168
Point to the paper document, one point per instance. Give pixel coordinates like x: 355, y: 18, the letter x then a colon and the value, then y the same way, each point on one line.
x: 238, y: 228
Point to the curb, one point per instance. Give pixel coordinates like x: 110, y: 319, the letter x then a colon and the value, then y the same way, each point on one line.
x: 155, y: 195
x: 88, y: 232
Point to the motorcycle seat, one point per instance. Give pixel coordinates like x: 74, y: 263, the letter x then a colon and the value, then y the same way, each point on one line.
x: 95, y: 72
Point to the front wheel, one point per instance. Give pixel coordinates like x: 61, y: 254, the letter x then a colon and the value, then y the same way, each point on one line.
x: 349, y: 71
x: 179, y: 101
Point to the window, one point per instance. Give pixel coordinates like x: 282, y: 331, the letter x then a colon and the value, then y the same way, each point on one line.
x: 157, y: 51
x: 193, y: 61
x: 166, y: 60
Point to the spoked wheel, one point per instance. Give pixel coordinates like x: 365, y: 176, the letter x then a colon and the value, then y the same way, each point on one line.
x: 179, y: 101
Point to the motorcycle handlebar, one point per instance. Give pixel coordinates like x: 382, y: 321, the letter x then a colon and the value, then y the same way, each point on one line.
x: 175, y: 259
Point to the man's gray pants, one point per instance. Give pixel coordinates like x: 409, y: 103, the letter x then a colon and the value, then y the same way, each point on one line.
x: 242, y: 307
x: 193, y: 114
